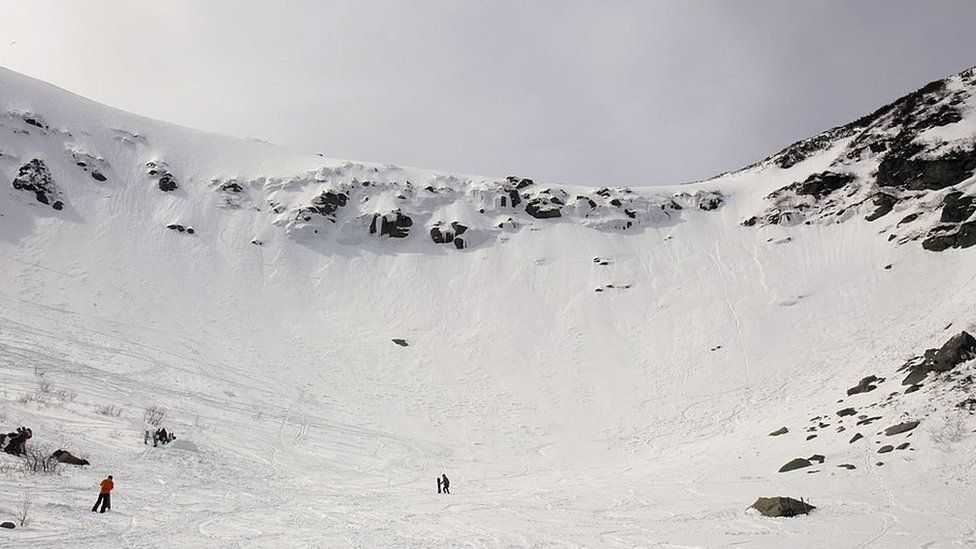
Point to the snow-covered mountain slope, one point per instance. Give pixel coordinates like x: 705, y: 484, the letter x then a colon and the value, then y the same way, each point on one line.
x: 591, y: 367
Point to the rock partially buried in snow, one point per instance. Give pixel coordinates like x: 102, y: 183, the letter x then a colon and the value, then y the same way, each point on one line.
x: 781, y: 507
x: 901, y: 428
x: 780, y: 431
x: 865, y: 385
x: 793, y: 465
x: 885, y: 449
x: 8, y: 525
x: 401, y: 342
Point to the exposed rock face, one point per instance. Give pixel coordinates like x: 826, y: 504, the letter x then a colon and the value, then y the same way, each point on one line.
x: 958, y: 349
x: 395, y: 224
x: 957, y: 208
x: 782, y: 507
x: 822, y: 184
x: 34, y: 177
x: 903, y: 163
x: 883, y: 203
x: 943, y: 238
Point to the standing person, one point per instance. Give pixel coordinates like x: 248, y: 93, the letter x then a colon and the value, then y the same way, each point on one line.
x: 104, y: 495
x: 446, y: 483
x: 438, y: 485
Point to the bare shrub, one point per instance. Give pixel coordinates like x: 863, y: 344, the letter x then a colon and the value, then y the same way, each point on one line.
x: 38, y: 460
x: 64, y: 395
x: 25, y: 510
x: 109, y: 410
x: 154, y: 415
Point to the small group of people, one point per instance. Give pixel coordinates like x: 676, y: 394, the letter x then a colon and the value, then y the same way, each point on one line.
x: 13, y: 443
x: 443, y: 484
x: 159, y: 436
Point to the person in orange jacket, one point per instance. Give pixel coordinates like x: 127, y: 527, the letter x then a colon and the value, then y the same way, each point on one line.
x: 104, y: 495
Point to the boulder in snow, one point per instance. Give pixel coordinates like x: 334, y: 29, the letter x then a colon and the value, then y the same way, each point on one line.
x: 781, y: 507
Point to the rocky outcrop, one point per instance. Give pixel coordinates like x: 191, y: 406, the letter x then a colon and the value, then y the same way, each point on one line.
x: 900, y: 165
x: 450, y: 234
x: 958, y: 349
x: 159, y: 171
x: 944, y: 237
x: 781, y: 507
x: 957, y: 208
x: 327, y: 204
x: 395, y: 224
x: 34, y: 177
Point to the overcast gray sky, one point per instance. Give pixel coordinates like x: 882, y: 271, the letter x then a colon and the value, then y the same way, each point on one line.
x: 596, y: 92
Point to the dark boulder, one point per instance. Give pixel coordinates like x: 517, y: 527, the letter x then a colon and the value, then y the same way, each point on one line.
x: 885, y: 449
x: 443, y: 235
x: 8, y: 525
x: 64, y: 456
x: 180, y: 228
x: 160, y: 172
x: 957, y: 208
x: 865, y: 385
x: 36, y: 178
x: 542, y: 208
x: 792, y: 465
x: 782, y: 507
x: 401, y: 342
x: 819, y: 458
x: 780, y: 431
x: 846, y: 412
x: 901, y: 428
x: 958, y: 349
